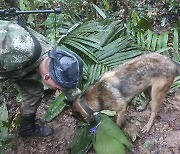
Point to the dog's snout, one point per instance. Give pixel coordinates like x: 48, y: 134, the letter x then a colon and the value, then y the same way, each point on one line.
x: 89, y: 119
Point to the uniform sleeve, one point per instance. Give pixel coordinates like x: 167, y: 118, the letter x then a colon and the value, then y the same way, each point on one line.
x: 72, y: 94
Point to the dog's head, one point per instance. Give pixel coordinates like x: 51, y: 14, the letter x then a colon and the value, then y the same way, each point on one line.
x: 82, y: 111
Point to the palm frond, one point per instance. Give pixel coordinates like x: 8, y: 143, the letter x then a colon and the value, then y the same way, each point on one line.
x: 93, y: 72
x: 102, y: 46
x: 176, y: 40
x: 124, y: 58
x: 176, y: 83
x: 74, y: 45
x: 100, y: 12
x: 114, y: 47
x: 165, y: 43
x: 151, y: 41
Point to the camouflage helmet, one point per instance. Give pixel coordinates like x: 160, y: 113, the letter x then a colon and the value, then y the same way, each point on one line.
x: 65, y: 68
x: 16, y: 46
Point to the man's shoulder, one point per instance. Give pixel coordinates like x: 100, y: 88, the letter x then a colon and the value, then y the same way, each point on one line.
x: 17, y: 46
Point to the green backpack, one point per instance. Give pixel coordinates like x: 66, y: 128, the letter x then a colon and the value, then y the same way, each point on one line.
x: 19, y: 48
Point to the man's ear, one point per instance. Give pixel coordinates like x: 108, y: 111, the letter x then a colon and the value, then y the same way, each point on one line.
x: 46, y: 77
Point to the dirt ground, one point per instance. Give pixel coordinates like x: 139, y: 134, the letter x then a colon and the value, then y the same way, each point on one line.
x: 164, y: 137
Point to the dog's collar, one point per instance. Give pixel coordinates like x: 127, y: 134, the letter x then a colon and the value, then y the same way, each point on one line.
x: 86, y: 107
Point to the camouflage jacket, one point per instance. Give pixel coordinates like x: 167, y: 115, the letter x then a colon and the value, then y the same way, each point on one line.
x: 16, y: 47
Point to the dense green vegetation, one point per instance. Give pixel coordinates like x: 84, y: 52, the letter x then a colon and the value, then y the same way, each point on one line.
x: 104, y: 33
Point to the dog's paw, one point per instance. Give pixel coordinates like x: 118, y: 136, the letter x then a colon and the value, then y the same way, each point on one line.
x: 146, y: 129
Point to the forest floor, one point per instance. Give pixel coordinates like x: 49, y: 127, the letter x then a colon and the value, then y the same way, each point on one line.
x: 164, y: 137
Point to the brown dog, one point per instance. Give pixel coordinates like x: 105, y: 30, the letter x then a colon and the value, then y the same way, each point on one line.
x: 151, y: 73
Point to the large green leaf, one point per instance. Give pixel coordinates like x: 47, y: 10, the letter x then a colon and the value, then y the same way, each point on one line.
x: 55, y: 108
x: 109, y: 138
x: 105, y: 144
x: 82, y: 140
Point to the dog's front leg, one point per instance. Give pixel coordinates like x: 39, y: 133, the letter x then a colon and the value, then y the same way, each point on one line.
x: 115, y: 102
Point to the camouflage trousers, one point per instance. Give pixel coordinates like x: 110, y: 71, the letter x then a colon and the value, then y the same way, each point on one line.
x: 31, y: 92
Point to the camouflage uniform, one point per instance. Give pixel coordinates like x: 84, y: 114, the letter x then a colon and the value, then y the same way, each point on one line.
x: 13, y: 53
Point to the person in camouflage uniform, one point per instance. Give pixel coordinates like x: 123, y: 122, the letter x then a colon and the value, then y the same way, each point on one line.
x: 57, y: 69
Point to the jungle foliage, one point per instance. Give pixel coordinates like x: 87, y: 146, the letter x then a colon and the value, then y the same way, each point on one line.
x: 103, y: 35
